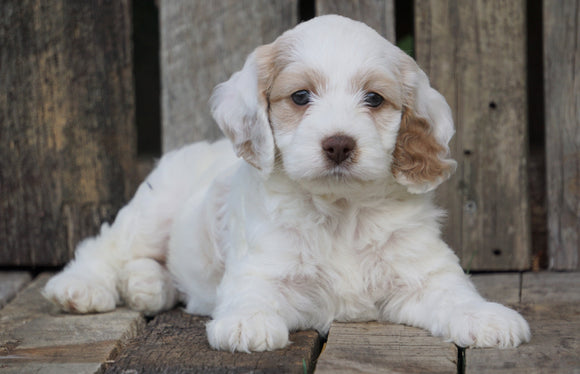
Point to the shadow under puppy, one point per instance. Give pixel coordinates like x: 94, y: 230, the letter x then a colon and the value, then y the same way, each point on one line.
x: 328, y: 216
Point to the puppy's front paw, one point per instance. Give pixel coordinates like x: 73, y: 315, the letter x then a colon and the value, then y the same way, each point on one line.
x: 488, y: 325
x: 75, y: 294
x: 260, y: 332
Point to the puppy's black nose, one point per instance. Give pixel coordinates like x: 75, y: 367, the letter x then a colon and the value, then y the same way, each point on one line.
x: 338, y: 148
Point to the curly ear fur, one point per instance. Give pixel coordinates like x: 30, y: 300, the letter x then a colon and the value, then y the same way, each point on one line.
x: 420, y: 158
x: 239, y: 106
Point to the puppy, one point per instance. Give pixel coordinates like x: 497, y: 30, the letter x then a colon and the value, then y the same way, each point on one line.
x: 329, y: 215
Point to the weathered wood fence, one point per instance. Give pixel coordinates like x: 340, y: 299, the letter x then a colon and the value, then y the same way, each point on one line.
x: 68, y: 144
x: 67, y: 137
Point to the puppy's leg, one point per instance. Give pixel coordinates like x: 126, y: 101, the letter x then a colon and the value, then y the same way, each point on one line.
x: 447, y: 304
x: 90, y: 283
x: 248, y: 316
x: 262, y: 298
x: 147, y: 286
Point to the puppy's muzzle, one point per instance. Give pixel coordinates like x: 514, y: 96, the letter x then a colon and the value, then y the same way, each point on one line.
x: 338, y: 148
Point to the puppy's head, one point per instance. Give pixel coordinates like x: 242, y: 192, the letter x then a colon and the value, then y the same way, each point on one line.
x: 332, y: 101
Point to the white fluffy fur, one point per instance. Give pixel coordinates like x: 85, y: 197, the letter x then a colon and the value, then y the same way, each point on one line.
x: 283, y: 241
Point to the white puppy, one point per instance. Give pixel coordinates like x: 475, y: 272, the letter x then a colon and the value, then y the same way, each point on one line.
x: 329, y: 215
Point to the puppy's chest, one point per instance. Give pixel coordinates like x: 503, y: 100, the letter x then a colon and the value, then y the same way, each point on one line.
x: 360, y: 279
x: 350, y: 250
x: 365, y: 253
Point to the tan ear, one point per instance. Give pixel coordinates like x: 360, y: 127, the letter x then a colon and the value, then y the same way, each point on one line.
x: 421, y: 157
x: 240, y: 107
x: 419, y: 161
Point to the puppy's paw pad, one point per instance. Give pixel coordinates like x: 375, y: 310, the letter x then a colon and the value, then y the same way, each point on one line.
x: 489, y: 325
x: 257, y: 333
x: 77, y: 295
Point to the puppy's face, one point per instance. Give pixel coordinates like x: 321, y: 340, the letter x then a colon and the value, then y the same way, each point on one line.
x: 335, y: 102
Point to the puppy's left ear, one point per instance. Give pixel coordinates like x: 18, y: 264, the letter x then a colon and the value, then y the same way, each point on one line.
x: 421, y: 157
x: 240, y: 107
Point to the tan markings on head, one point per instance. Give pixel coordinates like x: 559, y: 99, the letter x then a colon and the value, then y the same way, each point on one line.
x: 285, y: 114
x: 293, y: 79
x: 267, y: 68
x: 374, y: 80
x: 418, y: 155
x: 271, y: 60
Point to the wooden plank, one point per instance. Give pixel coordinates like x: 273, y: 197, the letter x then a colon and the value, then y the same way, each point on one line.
x: 500, y: 288
x: 551, y: 288
x: 562, y: 105
x: 202, y: 44
x: 475, y: 54
x: 36, y: 337
x: 551, y: 305
x: 176, y: 342
x: 553, y: 349
x: 67, y: 141
x: 374, y: 347
x: 378, y: 14
x: 10, y: 283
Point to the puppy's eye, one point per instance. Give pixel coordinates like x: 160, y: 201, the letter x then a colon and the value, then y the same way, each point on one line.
x: 301, y: 97
x: 373, y: 99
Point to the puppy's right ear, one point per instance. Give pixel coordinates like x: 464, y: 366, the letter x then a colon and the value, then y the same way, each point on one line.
x: 240, y: 107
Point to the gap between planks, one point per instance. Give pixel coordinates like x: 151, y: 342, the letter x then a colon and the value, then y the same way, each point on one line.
x: 34, y: 336
x: 549, y: 301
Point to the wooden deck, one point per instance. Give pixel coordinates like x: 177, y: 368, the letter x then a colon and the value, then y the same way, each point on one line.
x: 36, y: 338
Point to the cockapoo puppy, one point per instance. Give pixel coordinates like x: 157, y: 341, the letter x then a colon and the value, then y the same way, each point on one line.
x: 329, y: 216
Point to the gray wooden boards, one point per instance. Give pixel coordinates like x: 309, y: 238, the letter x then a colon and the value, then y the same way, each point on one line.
x: 551, y: 288
x: 176, y: 342
x: 67, y: 137
x: 562, y: 105
x: 378, y: 14
x: 553, y: 349
x: 36, y: 338
x: 373, y: 347
x: 475, y: 54
x: 202, y: 44
x: 10, y: 283
x: 550, y: 302
x: 502, y: 288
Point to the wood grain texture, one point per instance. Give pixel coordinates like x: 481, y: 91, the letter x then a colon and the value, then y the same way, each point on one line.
x: 372, y: 347
x: 378, y: 14
x: 553, y: 349
x: 550, y: 302
x: 36, y: 338
x: 562, y: 103
x: 499, y: 288
x: 202, y: 44
x: 551, y: 288
x: 10, y: 283
x: 176, y: 342
x: 474, y: 54
x: 67, y: 141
